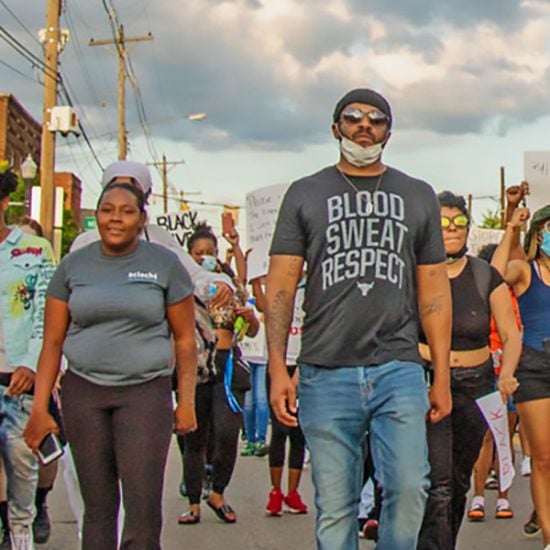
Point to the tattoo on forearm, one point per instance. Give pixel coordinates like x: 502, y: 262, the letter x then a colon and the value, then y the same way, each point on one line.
x: 433, y: 307
x: 277, y: 321
x: 295, y: 266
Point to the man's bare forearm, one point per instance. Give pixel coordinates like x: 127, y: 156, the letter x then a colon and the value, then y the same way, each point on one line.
x: 282, y: 280
x: 435, y: 310
x: 278, y: 317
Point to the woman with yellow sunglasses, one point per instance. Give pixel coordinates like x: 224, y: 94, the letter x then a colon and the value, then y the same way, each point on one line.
x: 478, y: 291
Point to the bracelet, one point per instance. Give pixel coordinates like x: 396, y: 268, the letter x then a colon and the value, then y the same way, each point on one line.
x: 511, y: 225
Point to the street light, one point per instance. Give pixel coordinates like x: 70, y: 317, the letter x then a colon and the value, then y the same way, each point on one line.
x: 28, y: 173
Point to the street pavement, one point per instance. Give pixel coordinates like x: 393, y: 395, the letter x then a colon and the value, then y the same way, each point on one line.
x: 254, y: 531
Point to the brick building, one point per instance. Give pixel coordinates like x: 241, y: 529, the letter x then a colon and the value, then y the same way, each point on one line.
x: 20, y: 135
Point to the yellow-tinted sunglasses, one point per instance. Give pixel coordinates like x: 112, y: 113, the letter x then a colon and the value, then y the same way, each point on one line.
x: 460, y: 221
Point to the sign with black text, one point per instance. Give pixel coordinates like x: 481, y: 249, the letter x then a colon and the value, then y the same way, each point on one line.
x: 181, y: 225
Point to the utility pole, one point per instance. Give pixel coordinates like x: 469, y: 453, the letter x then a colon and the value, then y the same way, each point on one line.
x: 47, y: 147
x: 122, y: 54
x: 164, y: 171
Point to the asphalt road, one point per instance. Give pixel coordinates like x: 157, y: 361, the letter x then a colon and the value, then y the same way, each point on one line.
x: 254, y: 531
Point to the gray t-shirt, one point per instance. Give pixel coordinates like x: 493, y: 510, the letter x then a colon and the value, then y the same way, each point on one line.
x: 118, y: 333
x: 360, y: 303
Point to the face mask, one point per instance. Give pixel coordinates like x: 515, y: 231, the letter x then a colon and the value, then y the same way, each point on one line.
x: 545, y: 245
x: 360, y: 156
x: 209, y: 263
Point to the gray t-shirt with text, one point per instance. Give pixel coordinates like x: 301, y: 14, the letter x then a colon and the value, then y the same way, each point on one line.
x: 361, y: 302
x: 118, y: 332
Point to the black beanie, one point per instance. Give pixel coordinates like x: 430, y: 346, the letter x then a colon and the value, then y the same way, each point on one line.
x: 363, y: 95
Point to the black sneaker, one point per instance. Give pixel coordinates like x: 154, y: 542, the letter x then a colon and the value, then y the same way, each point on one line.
x: 532, y: 527
x: 41, y: 527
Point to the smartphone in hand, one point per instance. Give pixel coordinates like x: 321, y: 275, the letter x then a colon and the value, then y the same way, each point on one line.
x: 228, y: 223
x: 50, y: 449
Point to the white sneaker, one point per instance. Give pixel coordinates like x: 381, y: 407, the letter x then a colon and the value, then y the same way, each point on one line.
x: 21, y: 537
x: 526, y: 467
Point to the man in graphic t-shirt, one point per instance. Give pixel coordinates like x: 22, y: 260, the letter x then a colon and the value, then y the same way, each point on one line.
x: 371, y: 238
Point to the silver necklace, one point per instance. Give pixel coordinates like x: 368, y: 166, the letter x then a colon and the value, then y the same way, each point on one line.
x: 368, y: 202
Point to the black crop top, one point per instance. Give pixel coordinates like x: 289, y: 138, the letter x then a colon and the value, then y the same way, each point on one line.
x: 471, y: 318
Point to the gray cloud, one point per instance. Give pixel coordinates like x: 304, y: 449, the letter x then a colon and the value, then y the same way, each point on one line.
x: 259, y: 97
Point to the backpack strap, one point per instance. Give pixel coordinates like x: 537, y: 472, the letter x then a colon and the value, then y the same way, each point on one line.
x: 482, y: 276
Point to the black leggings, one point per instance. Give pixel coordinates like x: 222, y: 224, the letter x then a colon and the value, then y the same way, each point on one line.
x: 212, y: 409
x: 279, y: 434
x: 119, y: 432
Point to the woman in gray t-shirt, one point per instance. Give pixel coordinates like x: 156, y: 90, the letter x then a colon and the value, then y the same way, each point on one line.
x: 113, y: 308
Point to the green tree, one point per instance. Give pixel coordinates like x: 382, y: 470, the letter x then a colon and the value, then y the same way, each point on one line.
x: 491, y: 219
x: 70, y: 231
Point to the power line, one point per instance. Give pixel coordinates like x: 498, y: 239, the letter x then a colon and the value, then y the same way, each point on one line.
x: 8, y: 9
x: 21, y: 73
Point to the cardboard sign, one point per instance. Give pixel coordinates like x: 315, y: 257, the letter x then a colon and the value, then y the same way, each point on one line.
x: 262, y: 207
x: 494, y: 411
x: 536, y: 172
x: 479, y: 237
x: 180, y: 224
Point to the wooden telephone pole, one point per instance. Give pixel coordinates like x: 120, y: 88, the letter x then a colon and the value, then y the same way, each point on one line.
x: 47, y: 147
x: 122, y: 54
x: 164, y: 171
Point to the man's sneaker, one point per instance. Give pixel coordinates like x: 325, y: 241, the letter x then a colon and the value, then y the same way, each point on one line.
x: 41, y: 527
x: 294, y: 503
x: 21, y: 537
x: 261, y: 449
x: 249, y: 449
x: 370, y: 530
x: 525, y: 467
x: 275, y: 503
x: 532, y: 527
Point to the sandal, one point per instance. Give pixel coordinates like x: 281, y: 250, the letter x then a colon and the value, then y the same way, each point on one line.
x: 223, y: 512
x: 189, y: 518
x: 504, y: 511
x: 476, y: 512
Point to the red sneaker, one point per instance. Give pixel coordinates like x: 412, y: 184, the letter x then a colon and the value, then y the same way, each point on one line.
x: 295, y: 504
x: 275, y: 503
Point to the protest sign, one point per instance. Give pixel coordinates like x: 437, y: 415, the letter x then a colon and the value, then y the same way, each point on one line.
x: 262, y: 206
x: 180, y: 224
x: 537, y: 175
x: 494, y: 411
x: 478, y: 237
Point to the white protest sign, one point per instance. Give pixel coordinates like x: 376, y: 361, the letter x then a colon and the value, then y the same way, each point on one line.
x: 255, y: 349
x: 478, y: 237
x: 262, y: 207
x: 536, y: 172
x: 494, y: 411
x: 180, y: 224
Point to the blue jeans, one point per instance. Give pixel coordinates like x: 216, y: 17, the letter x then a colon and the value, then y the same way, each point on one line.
x: 256, y: 409
x: 337, y: 407
x: 20, y: 463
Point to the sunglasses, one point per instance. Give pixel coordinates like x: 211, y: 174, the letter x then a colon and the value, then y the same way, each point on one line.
x: 375, y: 117
x: 460, y: 221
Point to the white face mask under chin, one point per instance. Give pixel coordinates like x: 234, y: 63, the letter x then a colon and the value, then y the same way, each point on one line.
x: 360, y: 156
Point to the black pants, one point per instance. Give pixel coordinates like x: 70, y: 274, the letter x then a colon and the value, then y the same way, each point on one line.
x: 454, y: 444
x: 119, y: 433
x: 279, y: 435
x: 213, y: 410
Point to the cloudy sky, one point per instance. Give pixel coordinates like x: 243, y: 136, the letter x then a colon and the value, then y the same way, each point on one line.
x: 468, y: 82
